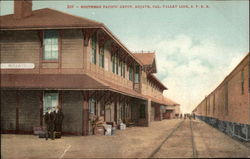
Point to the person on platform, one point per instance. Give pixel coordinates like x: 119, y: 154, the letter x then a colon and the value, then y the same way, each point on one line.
x: 58, y: 119
x: 193, y: 116
x: 49, y: 119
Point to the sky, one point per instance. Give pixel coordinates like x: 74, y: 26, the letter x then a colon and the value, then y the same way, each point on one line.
x: 196, y: 48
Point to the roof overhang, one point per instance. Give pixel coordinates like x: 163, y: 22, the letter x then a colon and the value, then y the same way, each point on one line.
x: 61, y: 82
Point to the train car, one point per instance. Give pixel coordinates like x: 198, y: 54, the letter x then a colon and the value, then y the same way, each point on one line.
x: 228, y: 106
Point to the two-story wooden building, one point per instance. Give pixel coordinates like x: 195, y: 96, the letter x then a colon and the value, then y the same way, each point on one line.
x: 51, y: 58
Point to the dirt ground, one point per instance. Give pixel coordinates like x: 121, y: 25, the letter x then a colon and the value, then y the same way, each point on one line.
x: 132, y: 142
x: 212, y: 143
x: 135, y: 142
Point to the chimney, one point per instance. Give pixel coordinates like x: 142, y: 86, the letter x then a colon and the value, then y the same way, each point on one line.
x: 22, y: 8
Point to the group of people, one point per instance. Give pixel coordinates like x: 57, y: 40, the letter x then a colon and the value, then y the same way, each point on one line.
x: 185, y: 116
x: 53, y: 119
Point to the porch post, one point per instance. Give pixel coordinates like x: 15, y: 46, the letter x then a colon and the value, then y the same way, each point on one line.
x: 85, y: 113
x: 40, y: 95
x: 148, y: 111
x: 17, y: 111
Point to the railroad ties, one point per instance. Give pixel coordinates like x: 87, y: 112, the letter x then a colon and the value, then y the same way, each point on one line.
x: 178, y: 143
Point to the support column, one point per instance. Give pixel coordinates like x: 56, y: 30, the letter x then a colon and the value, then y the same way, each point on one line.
x: 85, y: 114
x: 40, y: 94
x: 115, y: 105
x: 148, y: 111
x: 17, y: 110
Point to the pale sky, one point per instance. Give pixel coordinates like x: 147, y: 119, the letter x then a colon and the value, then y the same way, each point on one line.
x: 195, y: 47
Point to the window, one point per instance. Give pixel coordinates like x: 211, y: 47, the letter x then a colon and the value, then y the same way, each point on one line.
x: 137, y: 70
x: 101, y: 57
x: 120, y: 68
x: 130, y: 73
x: 93, y: 51
x: 50, y: 45
x: 242, y: 82
x: 92, y: 106
x: 50, y: 100
x: 116, y: 64
x: 123, y: 69
x: 113, y: 63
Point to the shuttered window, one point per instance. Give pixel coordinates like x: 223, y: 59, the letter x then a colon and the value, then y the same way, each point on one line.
x: 101, y: 57
x: 50, y: 45
x: 130, y: 73
x: 113, y: 63
x: 93, y: 50
x: 137, y: 71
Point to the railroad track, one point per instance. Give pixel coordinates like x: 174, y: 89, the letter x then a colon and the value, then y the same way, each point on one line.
x: 174, y: 133
x: 195, y: 153
x: 208, y: 150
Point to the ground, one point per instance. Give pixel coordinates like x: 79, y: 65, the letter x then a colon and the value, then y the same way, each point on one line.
x: 167, y: 138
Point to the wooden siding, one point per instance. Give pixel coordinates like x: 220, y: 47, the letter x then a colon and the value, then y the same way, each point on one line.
x: 74, y: 58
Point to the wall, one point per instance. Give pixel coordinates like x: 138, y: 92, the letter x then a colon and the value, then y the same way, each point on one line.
x: 20, y: 47
x: 239, y: 103
x: 8, y: 110
x: 29, y: 111
x: 72, y: 49
x: 227, y: 102
x: 72, y: 104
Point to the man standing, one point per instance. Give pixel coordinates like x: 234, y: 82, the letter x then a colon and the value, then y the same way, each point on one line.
x: 58, y: 120
x: 49, y: 121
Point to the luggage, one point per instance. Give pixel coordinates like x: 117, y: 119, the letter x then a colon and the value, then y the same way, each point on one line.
x: 42, y: 134
x: 57, y: 134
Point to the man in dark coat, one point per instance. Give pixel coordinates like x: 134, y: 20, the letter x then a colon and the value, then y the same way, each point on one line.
x: 49, y: 121
x: 58, y: 119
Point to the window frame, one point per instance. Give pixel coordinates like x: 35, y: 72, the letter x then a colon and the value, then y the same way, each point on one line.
x: 93, y: 48
x: 137, y: 74
x: 44, y: 58
x: 101, y: 56
x: 113, y: 63
x: 44, y: 100
x: 92, y: 106
x: 131, y: 74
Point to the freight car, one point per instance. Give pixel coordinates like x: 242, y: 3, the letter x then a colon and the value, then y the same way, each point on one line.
x: 228, y: 106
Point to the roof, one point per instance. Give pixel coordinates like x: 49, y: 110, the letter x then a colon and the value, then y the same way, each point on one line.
x: 145, y: 58
x: 157, y: 81
x: 62, y: 82
x: 170, y: 102
x: 50, y: 81
x: 46, y: 18
x: 164, y: 101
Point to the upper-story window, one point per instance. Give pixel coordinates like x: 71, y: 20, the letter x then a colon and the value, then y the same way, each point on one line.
x: 123, y: 69
x: 116, y: 64
x: 113, y: 63
x: 50, y: 45
x: 131, y: 73
x: 137, y: 73
x: 101, y: 57
x: 93, y: 47
x: 120, y: 68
